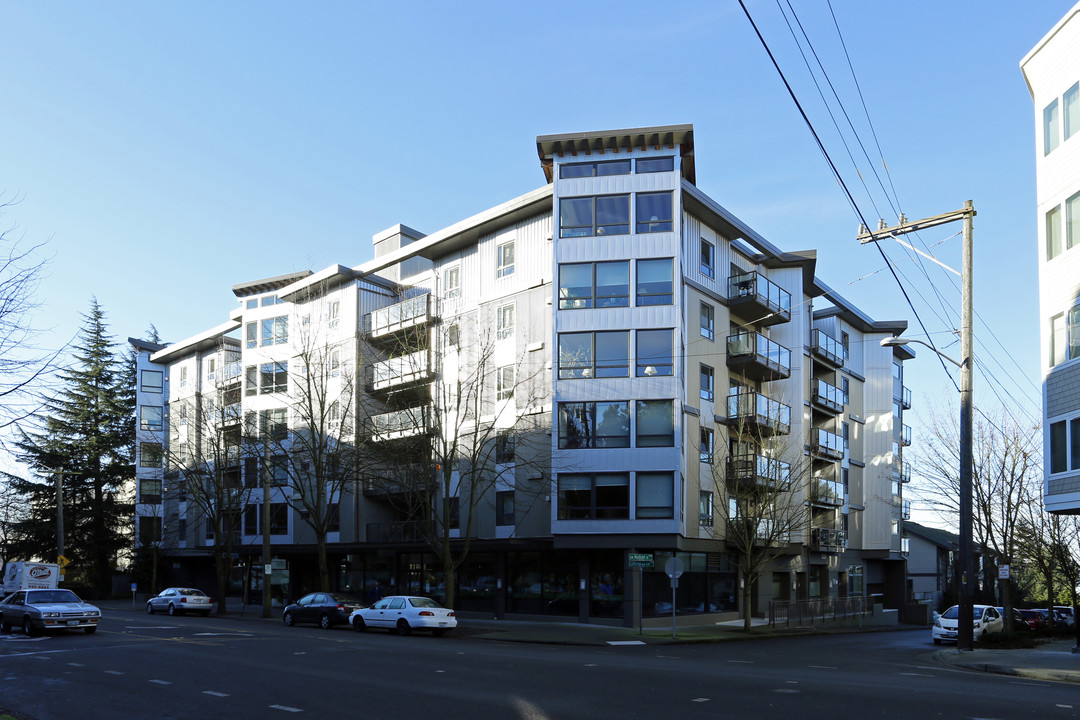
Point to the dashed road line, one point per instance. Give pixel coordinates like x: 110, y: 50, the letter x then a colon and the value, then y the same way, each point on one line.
x: 215, y: 693
x: 161, y: 682
x: 113, y: 672
x: 823, y: 667
x: 286, y: 708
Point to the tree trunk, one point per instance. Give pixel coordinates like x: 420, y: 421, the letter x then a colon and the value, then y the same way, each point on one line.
x: 747, y: 595
x: 324, y: 565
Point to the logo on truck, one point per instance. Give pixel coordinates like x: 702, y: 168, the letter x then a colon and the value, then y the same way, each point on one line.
x: 40, y: 572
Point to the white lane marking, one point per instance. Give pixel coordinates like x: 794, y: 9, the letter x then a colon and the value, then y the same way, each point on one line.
x: 792, y: 682
x: 625, y: 642
x: 1060, y: 705
x: 700, y: 700
x: 43, y: 657
x: 742, y: 662
x: 161, y: 682
x: 151, y: 627
x: 286, y: 708
x: 113, y: 672
x: 787, y: 691
x: 823, y: 667
x: 76, y: 665
x: 215, y: 693
x: 225, y: 634
x: 590, y: 664
x: 527, y: 711
x: 917, y: 674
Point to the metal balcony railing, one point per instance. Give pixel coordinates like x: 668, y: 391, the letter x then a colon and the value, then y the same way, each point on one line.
x: 905, y: 401
x: 828, y: 539
x: 827, y: 397
x: 400, y: 424
x: 401, y: 316
x: 906, y: 510
x: 758, y: 357
x: 758, y: 299
x: 757, y: 412
x: 826, y: 491
x: 827, y: 445
x: 395, y: 372
x: 905, y: 435
x: 749, y: 471
x: 827, y: 348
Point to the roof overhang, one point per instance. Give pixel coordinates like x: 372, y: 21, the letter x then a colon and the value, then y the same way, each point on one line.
x: 257, y: 287
x: 205, y: 340
x: 665, y: 136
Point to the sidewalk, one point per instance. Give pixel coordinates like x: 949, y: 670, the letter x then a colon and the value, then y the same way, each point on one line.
x: 1050, y: 661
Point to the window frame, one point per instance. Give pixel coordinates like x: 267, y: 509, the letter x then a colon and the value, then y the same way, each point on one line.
x: 1051, y: 127
x: 1053, y: 231
x: 594, y: 167
x: 503, y: 329
x: 149, y: 457
x: 594, y: 299
x: 504, y: 382
x: 655, y: 223
x: 503, y: 267
x: 708, y: 259
x: 708, y: 312
x: 503, y: 515
x: 661, y: 362
x: 654, y: 512
x: 594, y: 510
x: 663, y: 164
x: 595, y: 227
x: 152, y: 388
x: 592, y: 366
x: 587, y: 417
x: 707, y: 382
x: 649, y: 293
x: 643, y: 408
x: 147, y: 423
x: 451, y: 282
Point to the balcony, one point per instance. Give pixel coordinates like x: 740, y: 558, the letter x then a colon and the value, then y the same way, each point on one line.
x: 826, y: 349
x: 748, y: 472
x: 758, y: 300
x: 827, y: 492
x: 906, y: 510
x: 400, y: 372
x: 905, y: 473
x: 827, y: 540
x: 826, y: 445
x: 230, y: 373
x: 905, y: 435
x: 400, y: 424
x: 827, y: 397
x: 905, y: 400
x: 751, y: 412
x: 390, y: 321
x: 757, y: 357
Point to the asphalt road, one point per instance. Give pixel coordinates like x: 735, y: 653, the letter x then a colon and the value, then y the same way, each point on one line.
x: 154, y: 667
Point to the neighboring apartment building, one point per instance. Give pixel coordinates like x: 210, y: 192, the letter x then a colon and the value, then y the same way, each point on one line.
x: 1052, y: 72
x: 650, y: 361
x: 931, y: 560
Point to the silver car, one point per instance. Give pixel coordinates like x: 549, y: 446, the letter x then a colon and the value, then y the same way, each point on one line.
x: 180, y: 600
x: 38, y: 610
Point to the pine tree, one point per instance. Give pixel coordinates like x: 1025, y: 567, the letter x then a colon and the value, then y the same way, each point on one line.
x: 86, y: 432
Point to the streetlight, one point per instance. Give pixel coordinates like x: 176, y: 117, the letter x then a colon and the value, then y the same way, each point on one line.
x: 965, y: 631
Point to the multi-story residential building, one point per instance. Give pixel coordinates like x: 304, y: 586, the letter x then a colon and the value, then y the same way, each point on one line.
x: 1052, y: 72
x: 610, y: 364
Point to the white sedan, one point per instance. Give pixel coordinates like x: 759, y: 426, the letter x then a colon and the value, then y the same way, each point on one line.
x: 987, y: 620
x: 403, y: 614
x: 177, y: 601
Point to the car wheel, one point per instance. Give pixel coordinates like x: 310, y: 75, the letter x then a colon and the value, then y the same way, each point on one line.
x: 358, y: 624
x: 937, y: 641
x: 91, y: 630
x: 324, y: 621
x: 439, y: 632
x: 29, y: 629
x: 288, y: 619
x: 5, y: 626
x: 172, y: 609
x: 403, y: 627
x: 149, y: 609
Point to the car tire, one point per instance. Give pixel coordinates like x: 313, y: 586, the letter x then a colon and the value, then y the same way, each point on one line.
x: 288, y: 619
x: 29, y: 629
x: 149, y: 609
x: 324, y: 621
x: 91, y: 630
x: 5, y: 626
x: 403, y: 627
x: 358, y: 624
x: 937, y: 641
x: 172, y: 609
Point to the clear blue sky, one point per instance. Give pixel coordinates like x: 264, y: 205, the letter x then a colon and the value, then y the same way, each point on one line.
x: 166, y: 151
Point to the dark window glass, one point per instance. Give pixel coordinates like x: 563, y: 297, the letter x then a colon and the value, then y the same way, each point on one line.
x: 151, y: 381
x: 1074, y: 449
x: 655, y: 424
x: 654, y: 282
x: 1059, y: 448
x: 654, y: 353
x: 651, y: 165
x: 655, y: 495
x: 654, y: 212
x: 613, y: 215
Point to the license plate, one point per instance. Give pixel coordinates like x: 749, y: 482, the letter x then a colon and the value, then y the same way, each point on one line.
x: 72, y: 623
x: 442, y: 623
x: 950, y: 634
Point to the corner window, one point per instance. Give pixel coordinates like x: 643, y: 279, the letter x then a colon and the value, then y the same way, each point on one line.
x: 274, y: 377
x: 1053, y: 233
x: 594, y: 285
x: 505, y: 259
x: 708, y: 321
x: 589, y: 425
x: 504, y: 321
x: 600, y: 215
x: 588, y: 355
x: 1050, y: 127
x: 653, y: 165
x: 655, y: 424
x: 151, y: 381
x: 708, y: 259
x: 655, y: 495
x: 589, y: 496
x: 251, y: 334
x: 654, y: 212
x: 275, y: 331
x: 452, y: 282
x: 655, y: 355
x: 654, y: 282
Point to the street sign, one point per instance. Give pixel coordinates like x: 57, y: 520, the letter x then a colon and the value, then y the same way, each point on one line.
x: 674, y: 568
x: 62, y: 561
x: 1003, y: 572
x: 641, y: 560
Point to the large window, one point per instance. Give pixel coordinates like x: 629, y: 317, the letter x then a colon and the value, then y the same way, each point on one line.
x: 1053, y: 233
x: 1072, y: 111
x: 655, y: 424
x: 594, y: 425
x: 655, y: 355
x: 273, y: 424
x: 150, y: 455
x: 600, y: 168
x: 655, y: 495
x: 151, y: 381
x: 504, y: 259
x: 275, y: 331
x: 654, y: 212
x: 149, y: 491
x: 588, y: 285
x: 708, y: 259
x: 274, y: 377
x: 654, y: 282
x: 588, y: 355
x: 1050, y: 127
x: 652, y: 165
x: 600, y: 215
x: 1065, y: 336
x: 150, y: 417
x: 708, y: 321
x: 594, y: 496
x: 504, y: 321
x: 251, y: 333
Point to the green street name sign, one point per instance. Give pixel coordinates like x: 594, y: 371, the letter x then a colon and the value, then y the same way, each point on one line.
x: 641, y: 560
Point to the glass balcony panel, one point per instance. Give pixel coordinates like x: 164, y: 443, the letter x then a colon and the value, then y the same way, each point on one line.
x: 826, y: 348
x: 758, y: 299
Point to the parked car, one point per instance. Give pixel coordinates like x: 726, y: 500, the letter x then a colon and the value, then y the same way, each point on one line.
x: 1035, y: 620
x: 403, y: 614
x: 1066, y: 612
x: 38, y: 610
x: 987, y: 620
x: 1019, y: 622
x: 323, y: 608
x: 177, y: 601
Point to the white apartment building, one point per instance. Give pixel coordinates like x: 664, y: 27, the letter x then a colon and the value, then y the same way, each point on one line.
x: 1052, y: 72
x: 666, y: 356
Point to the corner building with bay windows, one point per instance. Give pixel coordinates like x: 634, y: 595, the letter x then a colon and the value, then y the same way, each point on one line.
x: 651, y: 360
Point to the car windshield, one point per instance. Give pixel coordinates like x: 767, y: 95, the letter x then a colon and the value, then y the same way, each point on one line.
x: 952, y: 613
x: 190, y: 591
x: 52, y: 596
x: 424, y: 603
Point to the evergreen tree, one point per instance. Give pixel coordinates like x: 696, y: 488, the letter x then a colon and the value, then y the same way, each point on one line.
x: 87, y: 433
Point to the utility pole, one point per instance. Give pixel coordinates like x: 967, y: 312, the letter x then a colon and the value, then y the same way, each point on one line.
x: 267, y: 562
x: 965, y: 623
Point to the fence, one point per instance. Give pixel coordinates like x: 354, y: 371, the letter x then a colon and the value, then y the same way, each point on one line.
x: 820, y: 611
